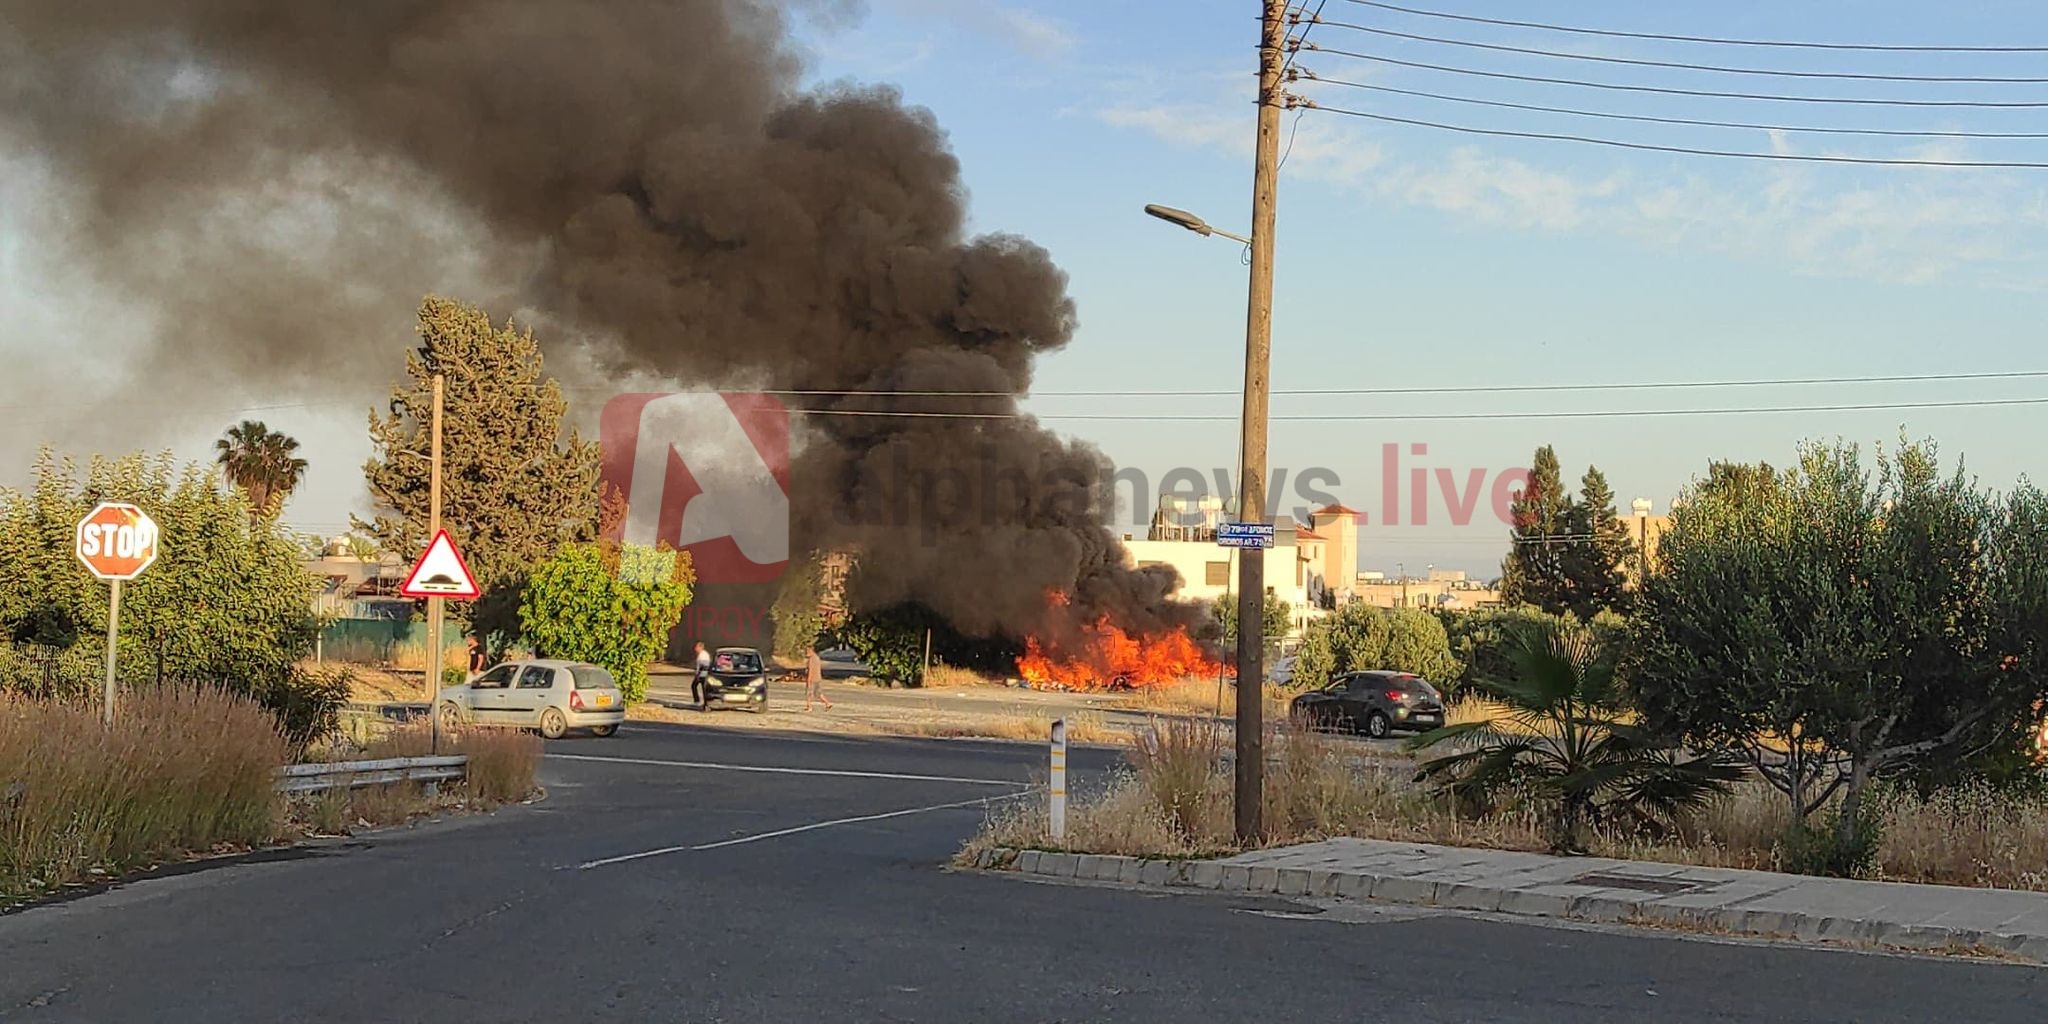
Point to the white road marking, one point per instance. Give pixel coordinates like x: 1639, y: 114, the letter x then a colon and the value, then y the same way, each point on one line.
x: 776, y: 770
x: 587, y: 865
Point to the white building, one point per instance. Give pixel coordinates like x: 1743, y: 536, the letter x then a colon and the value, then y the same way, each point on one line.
x: 1183, y: 538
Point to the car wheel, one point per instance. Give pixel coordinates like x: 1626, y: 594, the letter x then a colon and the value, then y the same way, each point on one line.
x: 451, y: 718
x: 1378, y: 726
x: 602, y: 731
x: 552, y: 724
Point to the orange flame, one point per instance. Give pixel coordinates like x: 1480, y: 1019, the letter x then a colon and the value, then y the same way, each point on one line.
x: 1113, y: 657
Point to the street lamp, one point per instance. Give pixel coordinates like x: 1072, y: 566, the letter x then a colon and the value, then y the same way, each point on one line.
x: 1251, y: 458
x: 1191, y: 222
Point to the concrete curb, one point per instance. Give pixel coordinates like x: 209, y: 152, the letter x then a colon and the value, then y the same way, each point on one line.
x: 1603, y: 907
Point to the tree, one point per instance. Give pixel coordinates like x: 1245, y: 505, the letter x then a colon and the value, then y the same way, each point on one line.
x: 1565, y: 736
x: 228, y: 602
x: 1834, y: 627
x: 1360, y: 637
x: 1276, y: 615
x: 890, y: 641
x: 1534, y: 571
x: 797, y: 612
x: 515, y: 484
x: 608, y: 604
x: 263, y: 463
x: 1598, y: 547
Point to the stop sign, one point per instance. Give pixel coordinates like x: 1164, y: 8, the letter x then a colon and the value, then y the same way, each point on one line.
x: 116, y: 541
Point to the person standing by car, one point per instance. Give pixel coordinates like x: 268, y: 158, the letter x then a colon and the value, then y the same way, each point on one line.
x: 476, y: 657
x: 703, y: 669
x: 814, y: 679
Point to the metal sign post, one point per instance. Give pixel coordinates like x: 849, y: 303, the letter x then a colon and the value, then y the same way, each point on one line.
x: 116, y: 541
x: 1056, y: 789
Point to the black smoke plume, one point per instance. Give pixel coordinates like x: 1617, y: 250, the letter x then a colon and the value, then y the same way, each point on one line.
x: 278, y: 181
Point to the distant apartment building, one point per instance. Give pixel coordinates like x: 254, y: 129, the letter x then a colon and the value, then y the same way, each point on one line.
x: 1448, y: 589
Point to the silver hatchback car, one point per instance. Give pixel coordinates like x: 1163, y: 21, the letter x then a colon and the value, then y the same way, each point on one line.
x: 552, y: 696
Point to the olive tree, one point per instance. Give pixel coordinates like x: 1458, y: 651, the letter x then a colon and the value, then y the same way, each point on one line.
x: 1835, y: 625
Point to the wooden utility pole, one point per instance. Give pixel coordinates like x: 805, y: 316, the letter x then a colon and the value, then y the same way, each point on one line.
x: 434, y: 651
x: 1258, y: 346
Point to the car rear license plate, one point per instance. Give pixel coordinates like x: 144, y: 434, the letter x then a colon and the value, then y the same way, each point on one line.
x: 604, y: 700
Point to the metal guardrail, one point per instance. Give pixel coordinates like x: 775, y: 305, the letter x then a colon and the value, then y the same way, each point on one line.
x: 313, y: 778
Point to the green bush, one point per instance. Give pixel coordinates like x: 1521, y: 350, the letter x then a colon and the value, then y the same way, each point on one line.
x: 227, y: 604
x: 607, y: 604
x: 308, y: 703
x: 1818, y: 846
x: 1360, y: 637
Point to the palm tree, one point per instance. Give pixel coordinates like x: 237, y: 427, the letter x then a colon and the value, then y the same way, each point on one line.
x: 263, y: 463
x: 1564, y: 735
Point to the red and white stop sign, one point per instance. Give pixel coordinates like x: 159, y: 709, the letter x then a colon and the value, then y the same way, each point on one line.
x: 116, y: 541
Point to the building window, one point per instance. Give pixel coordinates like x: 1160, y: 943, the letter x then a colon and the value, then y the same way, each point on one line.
x: 1219, y: 574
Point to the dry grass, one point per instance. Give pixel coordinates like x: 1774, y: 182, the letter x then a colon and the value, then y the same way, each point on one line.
x: 412, y: 654
x: 1197, y: 695
x: 945, y: 677
x: 502, y: 762
x: 378, y: 686
x: 1971, y: 835
x: 1188, y: 696
x: 1084, y: 727
x: 1174, y: 800
x: 180, y: 772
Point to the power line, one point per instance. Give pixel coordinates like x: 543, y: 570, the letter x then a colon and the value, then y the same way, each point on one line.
x: 1293, y: 52
x: 1454, y: 389
x: 1426, y: 416
x: 1457, y: 389
x: 1719, y: 41
x: 1308, y: 75
x: 1684, y: 66
x: 1687, y: 150
x: 1669, y: 91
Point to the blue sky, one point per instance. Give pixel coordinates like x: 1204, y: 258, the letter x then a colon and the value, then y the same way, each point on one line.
x: 1410, y: 257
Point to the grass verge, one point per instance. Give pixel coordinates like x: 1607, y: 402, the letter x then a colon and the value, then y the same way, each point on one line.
x: 179, y: 772
x: 1173, y: 799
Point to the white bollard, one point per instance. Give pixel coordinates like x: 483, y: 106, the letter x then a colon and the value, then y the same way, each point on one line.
x: 1056, y: 789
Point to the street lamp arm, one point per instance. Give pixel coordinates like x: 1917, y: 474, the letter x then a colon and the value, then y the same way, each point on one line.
x: 1192, y: 222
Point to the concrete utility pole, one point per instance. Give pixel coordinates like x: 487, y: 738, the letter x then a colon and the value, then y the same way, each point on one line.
x: 1258, y: 349
x: 434, y: 603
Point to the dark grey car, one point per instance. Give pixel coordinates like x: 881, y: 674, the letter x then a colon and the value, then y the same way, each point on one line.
x: 1373, y: 703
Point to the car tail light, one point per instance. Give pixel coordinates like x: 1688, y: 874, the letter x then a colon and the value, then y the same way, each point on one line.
x: 1395, y: 694
x: 576, y: 699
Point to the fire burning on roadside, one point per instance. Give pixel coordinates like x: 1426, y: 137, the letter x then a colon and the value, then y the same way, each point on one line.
x: 1111, y: 658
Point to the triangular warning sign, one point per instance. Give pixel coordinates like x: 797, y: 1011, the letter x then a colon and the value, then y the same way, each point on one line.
x: 440, y: 572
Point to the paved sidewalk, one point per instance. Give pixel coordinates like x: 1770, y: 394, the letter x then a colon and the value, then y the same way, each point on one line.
x: 1752, y: 903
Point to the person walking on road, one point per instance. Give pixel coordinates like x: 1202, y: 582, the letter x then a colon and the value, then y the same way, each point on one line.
x: 703, y: 669
x: 814, y: 679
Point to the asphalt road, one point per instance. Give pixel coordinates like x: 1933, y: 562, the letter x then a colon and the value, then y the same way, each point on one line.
x: 650, y: 886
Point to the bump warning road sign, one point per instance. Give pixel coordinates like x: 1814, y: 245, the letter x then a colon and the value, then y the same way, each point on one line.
x: 441, y: 572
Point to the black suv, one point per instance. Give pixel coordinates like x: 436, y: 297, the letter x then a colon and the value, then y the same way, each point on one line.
x: 1374, y: 703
